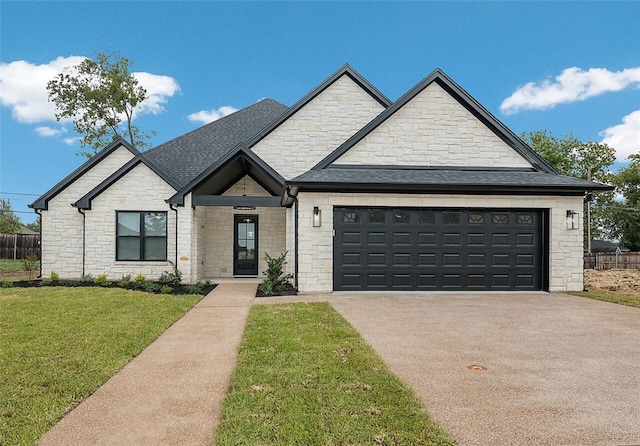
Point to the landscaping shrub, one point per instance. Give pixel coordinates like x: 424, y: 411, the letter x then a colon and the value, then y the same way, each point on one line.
x: 275, y: 281
x: 30, y: 265
x: 171, y: 278
x: 102, y: 280
x: 54, y: 277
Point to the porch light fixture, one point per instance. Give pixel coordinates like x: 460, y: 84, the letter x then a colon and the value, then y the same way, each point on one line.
x: 317, y: 217
x: 573, y: 220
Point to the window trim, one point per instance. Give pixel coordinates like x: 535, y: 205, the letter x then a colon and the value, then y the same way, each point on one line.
x: 142, y: 237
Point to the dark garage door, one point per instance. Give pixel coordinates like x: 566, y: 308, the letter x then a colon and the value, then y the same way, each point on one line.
x: 438, y: 249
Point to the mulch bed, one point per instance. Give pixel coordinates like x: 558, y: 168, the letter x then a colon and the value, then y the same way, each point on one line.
x: 155, y: 288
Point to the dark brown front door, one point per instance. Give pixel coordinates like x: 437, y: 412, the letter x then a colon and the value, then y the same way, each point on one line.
x: 245, y: 248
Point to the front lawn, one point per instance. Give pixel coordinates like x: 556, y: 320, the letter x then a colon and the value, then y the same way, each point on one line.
x: 58, y: 345
x: 305, y: 377
x: 631, y: 299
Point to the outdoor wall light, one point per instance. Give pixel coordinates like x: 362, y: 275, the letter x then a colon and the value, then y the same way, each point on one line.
x: 317, y: 217
x: 573, y: 220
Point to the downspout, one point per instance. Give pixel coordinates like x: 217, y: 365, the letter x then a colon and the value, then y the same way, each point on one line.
x: 176, y: 249
x: 295, y: 252
x: 84, y: 235
x: 39, y: 212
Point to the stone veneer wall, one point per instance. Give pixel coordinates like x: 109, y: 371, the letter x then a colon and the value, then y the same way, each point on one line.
x: 215, y: 231
x: 316, y: 244
x: 62, y: 223
x: 139, y: 190
x: 433, y: 129
x: 318, y: 128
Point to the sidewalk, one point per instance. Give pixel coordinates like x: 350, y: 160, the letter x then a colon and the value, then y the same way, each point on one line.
x: 172, y: 392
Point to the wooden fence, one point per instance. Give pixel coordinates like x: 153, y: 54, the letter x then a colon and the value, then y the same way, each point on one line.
x: 611, y: 260
x: 19, y: 246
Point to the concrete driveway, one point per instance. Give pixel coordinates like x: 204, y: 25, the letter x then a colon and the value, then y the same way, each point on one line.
x: 560, y: 370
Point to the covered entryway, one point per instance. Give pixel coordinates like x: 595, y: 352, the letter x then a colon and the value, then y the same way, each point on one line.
x: 439, y: 249
x: 245, y: 245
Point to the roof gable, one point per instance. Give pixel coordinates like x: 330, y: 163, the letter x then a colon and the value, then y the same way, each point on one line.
x: 345, y: 70
x: 471, y: 128
x: 85, y: 201
x: 239, y: 158
x: 186, y: 157
x: 43, y: 202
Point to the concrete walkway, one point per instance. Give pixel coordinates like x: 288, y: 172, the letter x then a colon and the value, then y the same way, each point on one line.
x: 170, y: 394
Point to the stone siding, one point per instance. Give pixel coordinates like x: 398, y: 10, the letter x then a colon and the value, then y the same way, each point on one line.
x: 139, y: 190
x: 62, y: 223
x: 315, y: 248
x: 318, y: 128
x: 433, y: 129
x: 215, y: 232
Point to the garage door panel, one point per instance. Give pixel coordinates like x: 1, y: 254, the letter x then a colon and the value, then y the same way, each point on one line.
x: 430, y: 249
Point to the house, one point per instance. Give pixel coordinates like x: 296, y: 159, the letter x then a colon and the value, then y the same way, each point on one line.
x: 430, y: 192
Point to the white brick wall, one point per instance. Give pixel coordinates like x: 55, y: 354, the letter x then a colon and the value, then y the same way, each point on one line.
x: 316, y: 244
x: 139, y: 190
x: 318, y: 128
x: 433, y: 129
x: 62, y: 223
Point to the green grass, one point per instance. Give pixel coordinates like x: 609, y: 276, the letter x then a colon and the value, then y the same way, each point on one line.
x: 305, y: 377
x: 632, y: 300
x: 58, y: 345
x: 8, y: 265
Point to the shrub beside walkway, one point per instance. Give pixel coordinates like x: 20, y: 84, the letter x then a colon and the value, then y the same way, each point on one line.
x: 175, y: 387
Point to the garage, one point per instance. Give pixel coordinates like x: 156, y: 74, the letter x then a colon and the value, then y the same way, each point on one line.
x: 439, y: 249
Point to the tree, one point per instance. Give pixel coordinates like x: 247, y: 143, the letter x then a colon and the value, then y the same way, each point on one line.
x: 100, y: 97
x: 625, y: 215
x: 9, y: 222
x: 34, y: 226
x: 591, y: 160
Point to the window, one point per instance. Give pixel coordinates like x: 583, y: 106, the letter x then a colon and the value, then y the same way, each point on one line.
x: 141, y: 236
x: 377, y: 216
x: 451, y: 218
x: 500, y: 218
x: 476, y: 218
x: 351, y: 217
x: 400, y: 216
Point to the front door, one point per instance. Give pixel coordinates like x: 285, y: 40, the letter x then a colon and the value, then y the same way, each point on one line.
x: 245, y: 248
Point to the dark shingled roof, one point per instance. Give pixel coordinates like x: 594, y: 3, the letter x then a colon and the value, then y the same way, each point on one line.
x: 187, y: 156
x: 442, y: 180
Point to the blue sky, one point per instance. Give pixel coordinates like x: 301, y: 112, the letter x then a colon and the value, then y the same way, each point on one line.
x: 560, y: 66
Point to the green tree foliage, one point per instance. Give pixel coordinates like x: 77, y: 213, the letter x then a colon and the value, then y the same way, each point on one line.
x: 9, y: 222
x: 100, y: 97
x: 571, y: 157
x: 625, y: 215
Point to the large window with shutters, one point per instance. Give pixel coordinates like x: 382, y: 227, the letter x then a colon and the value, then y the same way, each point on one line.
x: 141, y: 235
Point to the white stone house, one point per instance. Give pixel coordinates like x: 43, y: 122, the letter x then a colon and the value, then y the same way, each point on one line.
x: 430, y: 192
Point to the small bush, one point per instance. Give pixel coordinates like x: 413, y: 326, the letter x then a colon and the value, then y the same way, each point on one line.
x: 102, y: 280
x: 5, y: 284
x: 30, y: 265
x: 123, y: 283
x: 126, y: 278
x: 166, y: 289
x: 171, y: 278
x: 86, y: 278
x: 195, y: 288
x: 139, y: 281
x: 54, y: 277
x: 275, y: 281
x: 151, y: 287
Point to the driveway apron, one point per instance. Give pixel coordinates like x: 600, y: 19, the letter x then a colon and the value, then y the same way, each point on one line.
x: 551, y: 369
x: 170, y: 394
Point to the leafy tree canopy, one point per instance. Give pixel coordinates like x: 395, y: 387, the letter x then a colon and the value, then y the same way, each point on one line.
x: 100, y: 97
x: 9, y: 222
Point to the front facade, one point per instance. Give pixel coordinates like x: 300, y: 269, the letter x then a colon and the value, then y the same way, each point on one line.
x: 430, y: 192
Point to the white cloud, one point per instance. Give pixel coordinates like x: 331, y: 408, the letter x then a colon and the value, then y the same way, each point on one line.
x: 46, y: 131
x: 207, y: 116
x: 573, y: 84
x: 625, y: 137
x: 159, y: 89
x: 23, y: 88
x: 70, y: 141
